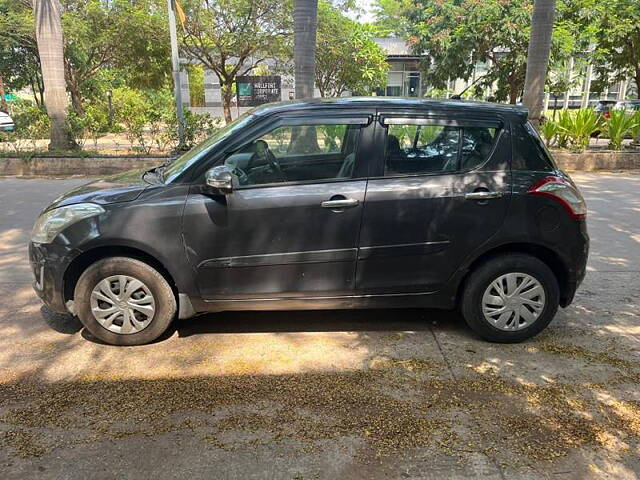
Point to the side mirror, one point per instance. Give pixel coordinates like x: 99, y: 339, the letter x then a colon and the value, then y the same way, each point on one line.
x: 220, y: 179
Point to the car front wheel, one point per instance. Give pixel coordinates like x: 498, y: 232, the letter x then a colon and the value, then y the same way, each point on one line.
x: 510, y: 298
x: 123, y: 301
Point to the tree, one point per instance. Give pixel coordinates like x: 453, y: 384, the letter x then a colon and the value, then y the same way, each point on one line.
x: 129, y: 38
x: 51, y: 51
x: 392, y: 16
x: 19, y: 61
x: 232, y: 37
x: 347, y: 58
x: 458, y: 33
x: 305, y: 19
x: 615, y: 30
x: 538, y: 57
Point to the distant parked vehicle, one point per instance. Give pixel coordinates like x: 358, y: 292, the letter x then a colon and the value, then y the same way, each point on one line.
x: 6, y: 123
x: 603, y: 107
x: 630, y: 106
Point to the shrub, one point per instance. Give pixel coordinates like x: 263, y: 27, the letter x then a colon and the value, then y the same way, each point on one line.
x: 93, y: 124
x: 132, y: 111
x: 635, y: 130
x: 549, y: 131
x: 576, y: 129
x: 32, y: 123
x: 618, y: 126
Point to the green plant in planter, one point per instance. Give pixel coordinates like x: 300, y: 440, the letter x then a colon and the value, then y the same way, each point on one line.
x: 579, y: 127
x: 549, y: 131
x: 635, y: 130
x: 618, y: 126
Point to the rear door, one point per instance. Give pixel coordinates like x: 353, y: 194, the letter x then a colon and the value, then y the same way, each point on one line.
x: 440, y: 190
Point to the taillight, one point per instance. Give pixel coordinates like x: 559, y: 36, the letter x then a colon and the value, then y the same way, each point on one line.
x: 562, y: 191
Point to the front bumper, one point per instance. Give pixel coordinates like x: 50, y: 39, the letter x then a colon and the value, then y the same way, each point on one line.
x: 49, y: 263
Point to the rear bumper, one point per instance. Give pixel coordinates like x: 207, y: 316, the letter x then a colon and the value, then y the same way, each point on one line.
x: 576, y: 265
x: 49, y: 263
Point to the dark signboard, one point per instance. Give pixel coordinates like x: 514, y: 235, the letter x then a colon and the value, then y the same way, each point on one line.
x: 255, y: 90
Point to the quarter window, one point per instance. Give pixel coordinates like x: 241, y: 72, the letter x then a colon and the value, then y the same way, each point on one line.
x: 297, y: 153
x: 529, y: 153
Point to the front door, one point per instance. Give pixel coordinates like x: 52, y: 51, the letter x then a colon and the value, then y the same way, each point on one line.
x: 290, y: 227
x: 441, y: 190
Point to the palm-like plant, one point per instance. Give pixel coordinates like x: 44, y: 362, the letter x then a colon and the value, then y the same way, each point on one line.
x: 549, y: 131
x: 51, y: 52
x: 579, y: 127
x: 618, y: 126
x: 538, y: 56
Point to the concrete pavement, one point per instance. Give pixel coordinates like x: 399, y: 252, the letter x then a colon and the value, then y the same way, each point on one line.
x: 339, y: 394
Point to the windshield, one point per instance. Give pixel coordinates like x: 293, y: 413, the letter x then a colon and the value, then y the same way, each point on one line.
x: 184, y: 161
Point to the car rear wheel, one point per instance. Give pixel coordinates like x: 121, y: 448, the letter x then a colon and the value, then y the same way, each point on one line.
x: 510, y: 298
x: 123, y: 301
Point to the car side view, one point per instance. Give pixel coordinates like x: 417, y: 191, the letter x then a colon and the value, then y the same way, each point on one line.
x: 325, y: 204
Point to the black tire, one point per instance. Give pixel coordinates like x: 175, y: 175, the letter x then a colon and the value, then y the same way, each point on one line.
x: 164, y: 298
x: 480, y: 279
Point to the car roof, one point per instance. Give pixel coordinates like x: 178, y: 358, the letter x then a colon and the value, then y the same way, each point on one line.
x: 410, y: 103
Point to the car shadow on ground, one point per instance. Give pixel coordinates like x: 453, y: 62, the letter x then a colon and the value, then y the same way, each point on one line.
x: 316, y: 321
x: 296, y: 321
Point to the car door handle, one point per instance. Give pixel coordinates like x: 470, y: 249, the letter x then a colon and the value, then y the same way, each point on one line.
x: 342, y: 203
x: 482, y: 195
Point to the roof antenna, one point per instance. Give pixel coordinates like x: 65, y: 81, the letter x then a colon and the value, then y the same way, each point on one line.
x: 458, y: 96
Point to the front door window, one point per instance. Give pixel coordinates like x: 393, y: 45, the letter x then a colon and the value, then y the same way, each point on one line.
x: 297, y: 153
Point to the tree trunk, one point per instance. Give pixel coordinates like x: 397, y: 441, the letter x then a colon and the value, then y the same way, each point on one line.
x: 227, y: 95
x: 3, y: 101
x: 538, y: 57
x: 305, y: 21
x: 51, y: 51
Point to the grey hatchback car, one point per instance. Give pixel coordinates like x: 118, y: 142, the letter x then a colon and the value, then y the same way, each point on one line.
x: 325, y: 204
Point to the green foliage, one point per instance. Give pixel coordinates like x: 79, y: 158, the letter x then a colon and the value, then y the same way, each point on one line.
x: 575, y: 129
x: 232, y: 37
x: 619, y: 125
x: 133, y: 112
x: 198, y: 127
x: 196, y: 85
x: 19, y: 65
x: 457, y: 34
x: 635, y: 130
x: 93, y: 123
x: 614, y: 30
x: 347, y: 58
x: 549, y: 131
x: 32, y: 123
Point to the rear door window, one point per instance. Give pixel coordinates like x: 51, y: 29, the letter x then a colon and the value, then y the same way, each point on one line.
x: 414, y: 149
x: 422, y: 146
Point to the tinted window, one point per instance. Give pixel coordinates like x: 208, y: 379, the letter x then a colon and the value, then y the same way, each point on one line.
x: 529, y: 152
x: 477, y: 145
x: 297, y: 153
x: 414, y: 149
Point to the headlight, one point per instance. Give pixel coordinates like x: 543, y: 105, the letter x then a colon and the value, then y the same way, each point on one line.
x: 51, y: 223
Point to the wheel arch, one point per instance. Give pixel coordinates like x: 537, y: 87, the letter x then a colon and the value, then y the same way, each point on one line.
x: 80, y: 263
x: 542, y: 253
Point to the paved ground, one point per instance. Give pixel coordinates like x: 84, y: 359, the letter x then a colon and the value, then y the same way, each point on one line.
x: 305, y: 395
